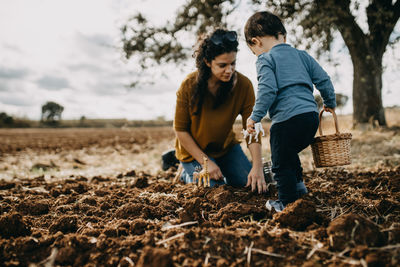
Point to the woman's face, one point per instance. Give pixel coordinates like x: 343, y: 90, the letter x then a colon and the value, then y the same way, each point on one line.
x: 223, y: 66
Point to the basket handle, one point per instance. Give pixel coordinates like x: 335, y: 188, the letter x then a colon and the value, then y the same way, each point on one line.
x: 320, y: 122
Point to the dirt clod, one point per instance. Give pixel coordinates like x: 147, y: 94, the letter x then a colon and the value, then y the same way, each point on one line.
x: 352, y: 229
x: 6, y: 185
x: 33, y: 207
x: 13, y: 225
x: 373, y: 260
x: 298, y: 215
x: 155, y: 257
x: 141, y: 182
x: 130, y: 210
x: 65, y: 224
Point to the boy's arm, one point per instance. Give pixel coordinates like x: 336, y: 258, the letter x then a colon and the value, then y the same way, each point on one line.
x: 247, y: 108
x: 323, y: 83
x: 267, y: 89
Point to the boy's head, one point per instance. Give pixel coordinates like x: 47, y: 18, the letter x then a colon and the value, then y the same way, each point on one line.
x: 263, y: 24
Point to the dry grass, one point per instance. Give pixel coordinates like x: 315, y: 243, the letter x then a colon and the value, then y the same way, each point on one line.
x: 372, y: 149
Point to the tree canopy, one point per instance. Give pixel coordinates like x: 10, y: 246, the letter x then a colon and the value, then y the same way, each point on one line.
x: 162, y: 44
x: 6, y: 120
x: 51, y: 112
x: 318, y: 20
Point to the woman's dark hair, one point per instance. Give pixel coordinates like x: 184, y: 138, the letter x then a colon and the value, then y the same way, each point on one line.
x: 261, y: 24
x: 218, y: 43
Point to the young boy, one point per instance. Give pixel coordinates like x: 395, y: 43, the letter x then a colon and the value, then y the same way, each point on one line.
x: 286, y: 78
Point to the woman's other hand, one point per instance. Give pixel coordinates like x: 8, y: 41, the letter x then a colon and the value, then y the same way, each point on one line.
x: 256, y: 180
x: 214, y: 171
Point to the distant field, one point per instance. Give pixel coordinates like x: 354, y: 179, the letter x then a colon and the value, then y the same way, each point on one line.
x: 141, y: 147
x: 90, y: 123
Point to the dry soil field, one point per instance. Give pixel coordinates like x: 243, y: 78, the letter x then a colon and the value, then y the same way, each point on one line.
x: 97, y: 197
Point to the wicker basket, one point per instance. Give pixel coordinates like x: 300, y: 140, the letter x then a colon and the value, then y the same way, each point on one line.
x: 331, y: 150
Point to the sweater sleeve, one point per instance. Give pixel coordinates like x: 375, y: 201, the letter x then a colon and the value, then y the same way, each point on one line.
x: 182, y: 112
x: 267, y: 88
x: 323, y: 83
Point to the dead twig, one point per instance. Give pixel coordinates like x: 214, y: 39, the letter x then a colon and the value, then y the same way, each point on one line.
x: 316, y: 247
x: 206, y: 259
x: 129, y: 260
x: 168, y: 227
x: 249, y: 253
x: 88, y: 225
x: 170, y: 238
x: 379, y: 185
x: 202, y: 215
x: 249, y: 250
x: 49, y: 261
x: 178, y: 174
x: 353, y: 231
x: 386, y: 247
x: 267, y: 253
x: 340, y: 255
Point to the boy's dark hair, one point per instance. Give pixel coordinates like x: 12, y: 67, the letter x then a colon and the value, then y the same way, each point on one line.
x: 261, y: 24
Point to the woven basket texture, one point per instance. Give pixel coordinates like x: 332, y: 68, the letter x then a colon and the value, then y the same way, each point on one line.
x: 331, y: 150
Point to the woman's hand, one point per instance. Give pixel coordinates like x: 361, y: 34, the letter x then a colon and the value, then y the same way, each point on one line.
x: 214, y: 171
x: 250, y: 125
x: 256, y: 180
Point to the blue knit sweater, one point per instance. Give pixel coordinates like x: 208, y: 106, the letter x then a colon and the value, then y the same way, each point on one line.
x: 286, y: 78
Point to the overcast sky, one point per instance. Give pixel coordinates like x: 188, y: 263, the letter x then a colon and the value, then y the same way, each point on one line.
x: 66, y: 51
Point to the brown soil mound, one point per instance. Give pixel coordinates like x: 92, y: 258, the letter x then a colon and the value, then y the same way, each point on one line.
x: 110, y: 221
x: 33, y: 207
x: 235, y: 211
x: 299, y: 215
x: 13, y: 225
x: 65, y: 224
x: 353, y: 229
x: 155, y: 257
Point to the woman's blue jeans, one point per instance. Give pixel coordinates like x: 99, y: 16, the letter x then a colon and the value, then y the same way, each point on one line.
x: 234, y: 165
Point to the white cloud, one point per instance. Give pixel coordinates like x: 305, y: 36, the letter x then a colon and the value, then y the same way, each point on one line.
x: 53, y: 82
x: 67, y: 51
x: 12, y: 73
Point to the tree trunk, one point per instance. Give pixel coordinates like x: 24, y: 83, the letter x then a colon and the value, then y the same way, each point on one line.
x: 367, y: 89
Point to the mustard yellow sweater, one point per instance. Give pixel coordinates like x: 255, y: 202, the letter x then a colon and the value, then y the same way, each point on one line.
x: 212, y: 128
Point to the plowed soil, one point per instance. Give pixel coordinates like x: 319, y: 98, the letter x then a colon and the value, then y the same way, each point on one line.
x: 350, y: 217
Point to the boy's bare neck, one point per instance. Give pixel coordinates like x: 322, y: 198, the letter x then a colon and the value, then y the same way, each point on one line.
x: 273, y: 41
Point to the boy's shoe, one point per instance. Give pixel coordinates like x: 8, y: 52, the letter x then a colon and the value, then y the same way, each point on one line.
x: 275, y: 204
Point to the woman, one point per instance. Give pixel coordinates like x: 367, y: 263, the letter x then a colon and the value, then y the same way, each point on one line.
x: 208, y: 103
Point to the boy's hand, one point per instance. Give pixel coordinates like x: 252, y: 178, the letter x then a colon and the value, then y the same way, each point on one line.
x: 250, y: 126
x: 331, y: 110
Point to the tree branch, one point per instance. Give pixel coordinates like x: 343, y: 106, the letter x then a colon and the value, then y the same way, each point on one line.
x: 345, y: 22
x: 382, y: 18
x: 161, y: 44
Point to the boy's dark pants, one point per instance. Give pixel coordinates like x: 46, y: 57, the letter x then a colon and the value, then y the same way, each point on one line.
x: 287, y: 139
